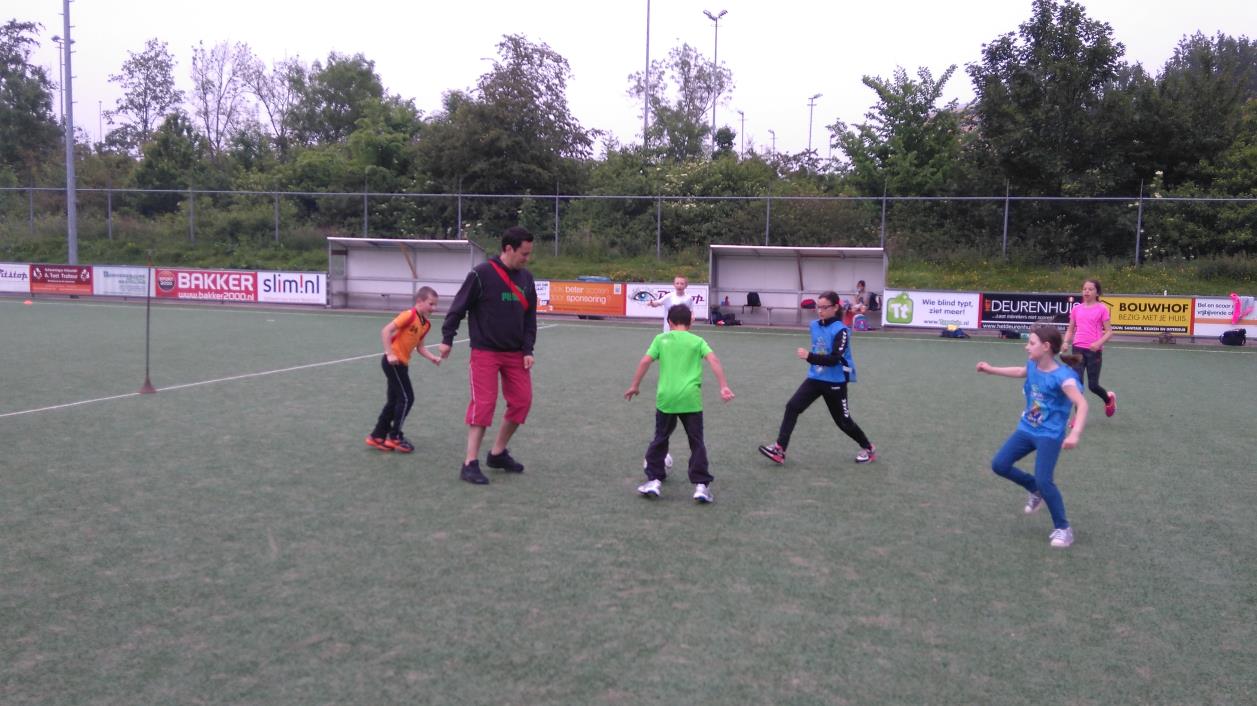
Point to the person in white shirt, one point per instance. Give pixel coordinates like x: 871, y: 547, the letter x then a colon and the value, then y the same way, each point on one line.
x: 673, y: 298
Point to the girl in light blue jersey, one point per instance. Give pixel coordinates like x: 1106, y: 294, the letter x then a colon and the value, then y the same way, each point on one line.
x: 830, y: 368
x: 1051, y: 390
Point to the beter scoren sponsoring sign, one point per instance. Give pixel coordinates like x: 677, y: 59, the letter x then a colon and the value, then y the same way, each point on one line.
x: 292, y: 287
x: 214, y: 285
x: 15, y: 277
x: 1017, y: 312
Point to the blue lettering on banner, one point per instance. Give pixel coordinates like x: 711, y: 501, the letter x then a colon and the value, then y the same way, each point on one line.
x: 276, y: 283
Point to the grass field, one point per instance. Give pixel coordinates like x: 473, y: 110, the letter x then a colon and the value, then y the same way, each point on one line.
x: 236, y: 542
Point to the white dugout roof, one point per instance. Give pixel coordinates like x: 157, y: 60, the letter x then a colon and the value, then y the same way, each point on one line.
x: 784, y: 276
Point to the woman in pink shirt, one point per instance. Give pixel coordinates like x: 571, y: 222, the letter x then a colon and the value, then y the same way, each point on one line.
x: 1089, y: 329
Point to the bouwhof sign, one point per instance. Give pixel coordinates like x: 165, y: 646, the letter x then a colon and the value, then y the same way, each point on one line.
x: 929, y: 309
x: 1149, y: 315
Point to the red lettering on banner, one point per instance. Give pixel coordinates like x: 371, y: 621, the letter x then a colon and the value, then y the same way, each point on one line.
x: 211, y: 285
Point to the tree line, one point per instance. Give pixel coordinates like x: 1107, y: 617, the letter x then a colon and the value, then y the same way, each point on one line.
x: 1058, y: 113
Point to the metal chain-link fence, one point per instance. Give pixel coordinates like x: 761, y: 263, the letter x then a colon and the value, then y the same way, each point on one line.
x: 1032, y: 229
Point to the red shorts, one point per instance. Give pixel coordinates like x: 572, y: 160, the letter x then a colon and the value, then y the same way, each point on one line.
x: 482, y: 376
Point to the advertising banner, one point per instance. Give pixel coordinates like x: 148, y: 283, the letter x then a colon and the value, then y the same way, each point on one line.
x: 1018, y: 312
x: 109, y: 281
x: 61, y: 279
x: 15, y: 277
x: 639, y: 295
x: 1149, y: 315
x: 586, y: 298
x: 930, y: 309
x: 214, y: 285
x: 292, y: 287
x: 1213, y: 315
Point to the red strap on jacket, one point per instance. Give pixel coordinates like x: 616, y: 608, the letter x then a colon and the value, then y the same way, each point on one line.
x: 523, y: 301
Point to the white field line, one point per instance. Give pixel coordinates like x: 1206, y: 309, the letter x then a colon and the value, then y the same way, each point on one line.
x: 232, y: 378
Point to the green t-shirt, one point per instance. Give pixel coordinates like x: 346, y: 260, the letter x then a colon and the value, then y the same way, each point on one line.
x: 680, y: 355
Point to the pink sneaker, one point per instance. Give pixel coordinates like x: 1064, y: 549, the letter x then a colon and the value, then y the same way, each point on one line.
x: 1110, y: 407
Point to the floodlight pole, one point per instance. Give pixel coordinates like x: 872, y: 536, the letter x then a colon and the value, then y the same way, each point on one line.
x: 811, y: 104
x: 646, y: 86
x: 715, y: 66
x: 71, y: 208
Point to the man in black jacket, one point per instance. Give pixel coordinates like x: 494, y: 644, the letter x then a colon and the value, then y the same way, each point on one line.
x: 499, y: 300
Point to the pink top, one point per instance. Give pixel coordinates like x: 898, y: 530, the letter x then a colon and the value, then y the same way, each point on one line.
x: 1088, y: 321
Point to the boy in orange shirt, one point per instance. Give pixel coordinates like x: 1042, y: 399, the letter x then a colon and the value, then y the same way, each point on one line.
x: 401, y: 336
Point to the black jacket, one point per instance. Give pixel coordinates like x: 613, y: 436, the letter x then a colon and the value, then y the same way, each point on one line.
x: 497, y: 321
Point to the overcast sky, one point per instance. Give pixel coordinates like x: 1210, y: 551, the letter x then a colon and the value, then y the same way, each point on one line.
x: 780, y: 52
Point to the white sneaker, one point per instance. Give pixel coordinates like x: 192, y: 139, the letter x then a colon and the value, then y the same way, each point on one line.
x: 667, y: 462
x: 1062, y: 538
x: 1033, y: 502
x: 702, y: 494
x: 649, y: 489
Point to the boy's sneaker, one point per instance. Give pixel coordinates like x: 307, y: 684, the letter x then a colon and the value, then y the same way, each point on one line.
x: 1110, y: 407
x: 505, y: 462
x: 667, y: 464
x: 378, y: 442
x: 1062, y: 538
x: 471, y: 474
x: 1033, y: 503
x: 867, y: 455
x: 649, y: 489
x: 701, y: 494
x: 399, y: 444
x: 774, y: 453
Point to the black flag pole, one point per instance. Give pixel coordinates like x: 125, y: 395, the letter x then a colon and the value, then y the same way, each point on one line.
x: 147, y: 388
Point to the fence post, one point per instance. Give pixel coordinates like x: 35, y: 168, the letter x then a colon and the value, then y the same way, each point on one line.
x: 556, y: 219
x: 364, y: 209
x: 768, y: 214
x: 1139, y: 222
x: 30, y: 198
x: 1006, y: 192
x: 191, y: 216
x: 109, y: 212
x: 658, y: 228
x: 883, y: 216
x: 276, y: 216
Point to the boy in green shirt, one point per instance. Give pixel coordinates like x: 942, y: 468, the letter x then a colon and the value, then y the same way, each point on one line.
x: 679, y: 397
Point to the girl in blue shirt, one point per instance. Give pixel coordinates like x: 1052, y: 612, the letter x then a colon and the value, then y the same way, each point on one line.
x: 830, y: 369
x: 1051, y: 389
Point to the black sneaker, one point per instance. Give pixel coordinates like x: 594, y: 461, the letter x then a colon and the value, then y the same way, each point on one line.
x: 471, y: 473
x: 505, y: 462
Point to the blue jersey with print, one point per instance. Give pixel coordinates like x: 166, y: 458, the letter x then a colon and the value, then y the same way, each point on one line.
x: 823, y: 337
x: 1047, y: 407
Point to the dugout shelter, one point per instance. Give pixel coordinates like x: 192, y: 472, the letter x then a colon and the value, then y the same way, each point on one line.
x: 385, y: 273
x: 785, y: 276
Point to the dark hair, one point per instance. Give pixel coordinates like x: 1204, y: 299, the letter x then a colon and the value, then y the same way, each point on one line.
x: 424, y: 293
x: 680, y: 315
x: 860, y: 283
x: 1049, y: 334
x: 515, y: 237
x: 1099, y: 289
x: 832, y: 296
